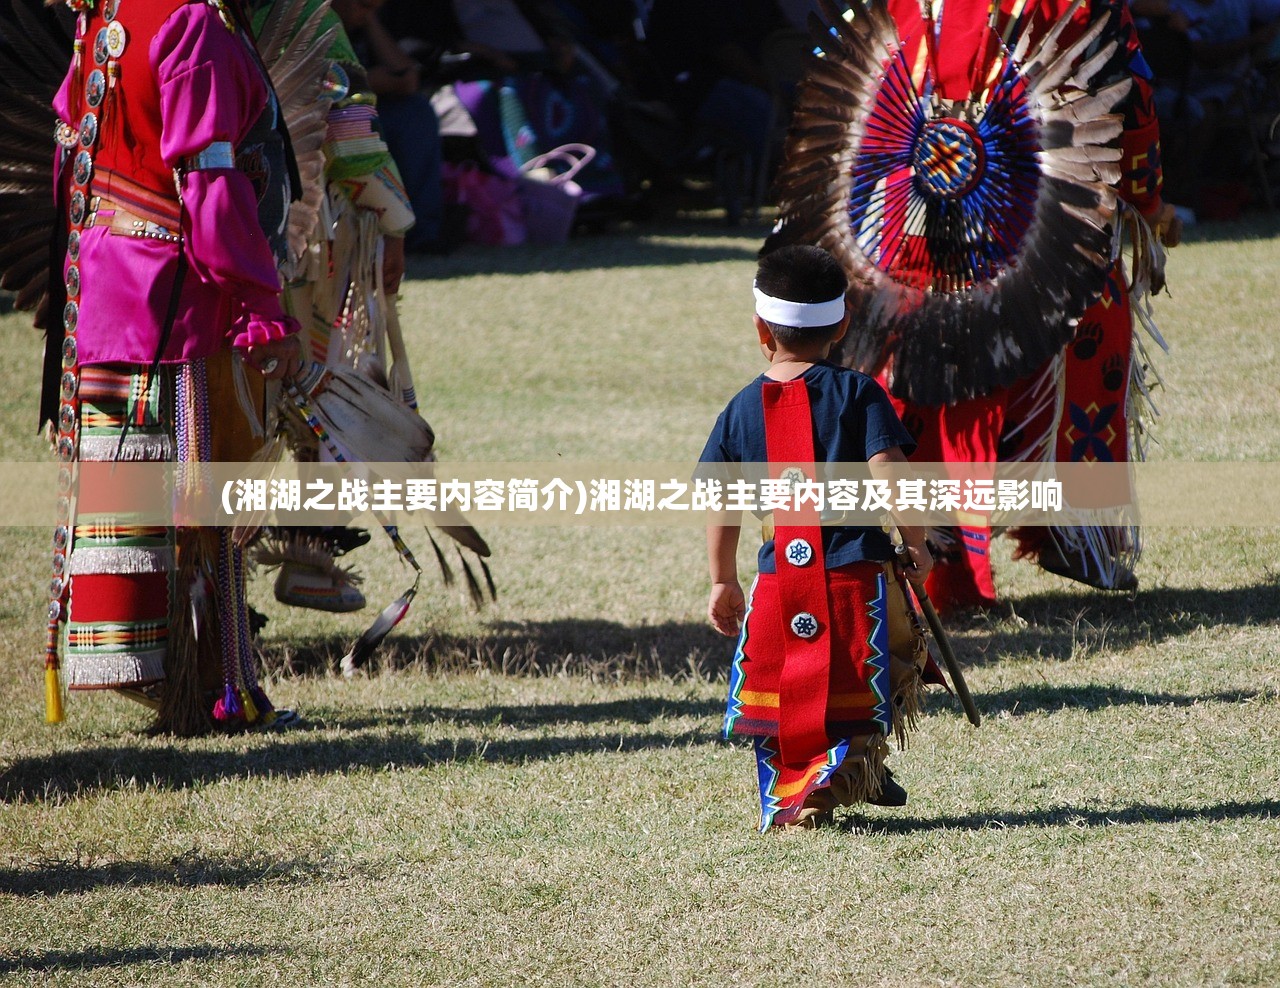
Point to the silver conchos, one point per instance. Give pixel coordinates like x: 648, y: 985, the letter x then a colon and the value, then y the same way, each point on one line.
x: 77, y: 207
x: 65, y: 134
x: 71, y: 315
x: 67, y: 418
x: 73, y: 280
x: 59, y: 564
x: 55, y: 587
x: 61, y: 537
x: 70, y: 353
x: 66, y: 449
x: 64, y: 510
x: 117, y: 38
x: 64, y: 480
x: 73, y: 245
x: 69, y: 385
x: 83, y: 169
x: 100, y: 47
x: 109, y: 11
x: 95, y: 88
x: 55, y: 610
x: 88, y: 129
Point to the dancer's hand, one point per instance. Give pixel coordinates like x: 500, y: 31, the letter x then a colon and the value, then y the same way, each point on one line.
x: 727, y: 607
x: 916, y: 562
x: 1167, y: 225
x: 276, y: 359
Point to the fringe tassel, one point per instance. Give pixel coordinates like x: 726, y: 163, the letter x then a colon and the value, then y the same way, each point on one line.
x: 473, y: 585
x: 136, y: 448
x: 183, y: 711
x: 121, y: 559
x: 860, y: 777
x: 446, y: 574
x: 488, y: 580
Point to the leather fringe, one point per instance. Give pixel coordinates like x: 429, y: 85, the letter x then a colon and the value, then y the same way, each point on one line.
x: 184, y: 711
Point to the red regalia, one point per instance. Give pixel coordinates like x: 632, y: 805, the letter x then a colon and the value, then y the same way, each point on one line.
x: 828, y: 662
x: 969, y: 185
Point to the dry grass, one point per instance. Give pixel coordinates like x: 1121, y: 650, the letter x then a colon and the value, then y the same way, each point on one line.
x: 537, y: 794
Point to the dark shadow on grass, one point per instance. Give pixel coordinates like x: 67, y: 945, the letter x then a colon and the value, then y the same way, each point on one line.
x: 1063, y: 816
x: 628, y: 249
x: 637, y: 710
x: 1070, y: 624
x: 604, y: 650
x: 1097, y: 696
x: 92, y: 959
x: 1058, y: 625
x: 87, y: 772
x: 187, y: 871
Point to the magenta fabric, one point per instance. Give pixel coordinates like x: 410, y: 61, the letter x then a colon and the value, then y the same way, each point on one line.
x: 211, y: 89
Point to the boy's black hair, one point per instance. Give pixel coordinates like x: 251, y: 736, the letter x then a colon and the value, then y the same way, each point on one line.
x: 801, y: 273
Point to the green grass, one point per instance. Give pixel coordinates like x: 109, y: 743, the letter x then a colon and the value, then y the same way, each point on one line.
x: 537, y: 794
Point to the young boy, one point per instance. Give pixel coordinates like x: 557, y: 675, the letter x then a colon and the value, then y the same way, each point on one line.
x: 829, y: 660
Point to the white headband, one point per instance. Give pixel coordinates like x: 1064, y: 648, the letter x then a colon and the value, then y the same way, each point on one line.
x: 801, y: 315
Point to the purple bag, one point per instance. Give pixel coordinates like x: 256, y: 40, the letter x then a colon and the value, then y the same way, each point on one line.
x: 496, y: 217
x: 551, y: 198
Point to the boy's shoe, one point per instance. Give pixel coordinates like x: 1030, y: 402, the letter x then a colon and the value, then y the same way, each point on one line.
x: 301, y: 585
x: 891, y: 794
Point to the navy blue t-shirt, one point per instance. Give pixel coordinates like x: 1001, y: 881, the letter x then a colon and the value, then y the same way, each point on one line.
x: 852, y: 421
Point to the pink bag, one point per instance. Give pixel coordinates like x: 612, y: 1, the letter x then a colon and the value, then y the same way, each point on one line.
x: 496, y: 216
x: 551, y: 198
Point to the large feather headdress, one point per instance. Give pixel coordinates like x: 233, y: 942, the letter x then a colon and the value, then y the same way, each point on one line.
x: 974, y: 231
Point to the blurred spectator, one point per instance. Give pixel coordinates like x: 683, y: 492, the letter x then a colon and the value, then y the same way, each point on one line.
x: 1203, y: 53
x: 709, y: 55
x: 1224, y: 34
x: 797, y: 12
x: 409, y: 122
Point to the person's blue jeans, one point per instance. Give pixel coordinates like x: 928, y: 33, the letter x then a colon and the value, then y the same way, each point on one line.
x: 413, y: 134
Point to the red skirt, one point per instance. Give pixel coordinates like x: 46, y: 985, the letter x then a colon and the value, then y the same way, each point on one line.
x: 858, y: 707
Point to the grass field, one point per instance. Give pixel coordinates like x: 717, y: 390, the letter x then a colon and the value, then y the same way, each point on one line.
x: 537, y: 794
